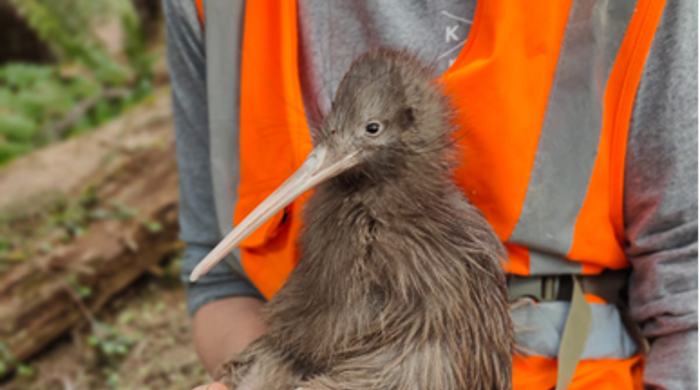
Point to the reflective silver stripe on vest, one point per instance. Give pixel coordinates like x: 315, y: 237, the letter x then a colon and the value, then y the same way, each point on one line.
x: 568, y: 143
x: 546, y: 264
x: 538, y: 330
x: 224, y: 39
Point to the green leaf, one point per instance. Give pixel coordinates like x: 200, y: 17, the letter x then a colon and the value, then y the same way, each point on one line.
x: 108, y: 348
x: 15, y: 256
x: 82, y: 126
x: 83, y: 87
x: 49, y: 100
x: 20, y: 75
x: 17, y: 127
x: 45, y: 248
x: 153, y: 226
x: 127, y: 317
x: 99, y: 214
x: 8, y: 99
x: 25, y: 370
x: 103, y: 112
x: 93, y: 340
x: 121, y: 349
x: 5, y: 245
x: 123, y: 212
x: 84, y: 291
x: 11, y: 150
x: 113, y: 380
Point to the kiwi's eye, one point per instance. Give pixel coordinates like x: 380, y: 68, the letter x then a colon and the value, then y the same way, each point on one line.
x: 373, y: 128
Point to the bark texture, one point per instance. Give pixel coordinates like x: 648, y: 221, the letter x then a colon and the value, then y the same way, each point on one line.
x: 122, y: 180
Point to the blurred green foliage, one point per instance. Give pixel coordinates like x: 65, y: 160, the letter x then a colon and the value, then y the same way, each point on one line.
x: 39, y: 104
x: 109, y: 341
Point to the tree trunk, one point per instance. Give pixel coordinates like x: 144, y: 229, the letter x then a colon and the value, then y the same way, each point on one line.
x: 87, y: 218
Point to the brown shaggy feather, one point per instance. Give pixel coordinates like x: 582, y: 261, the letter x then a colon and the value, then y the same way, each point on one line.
x: 399, y: 284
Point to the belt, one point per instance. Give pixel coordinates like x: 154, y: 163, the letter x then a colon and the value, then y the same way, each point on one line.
x: 608, y: 285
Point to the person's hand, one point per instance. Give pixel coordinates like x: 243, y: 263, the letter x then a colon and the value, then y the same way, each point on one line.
x: 212, y: 386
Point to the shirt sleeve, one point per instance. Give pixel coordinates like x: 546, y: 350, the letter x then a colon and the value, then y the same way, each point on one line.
x: 198, y: 221
x: 661, y: 201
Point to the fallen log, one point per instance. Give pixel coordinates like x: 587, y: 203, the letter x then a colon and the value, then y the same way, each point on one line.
x: 82, y: 220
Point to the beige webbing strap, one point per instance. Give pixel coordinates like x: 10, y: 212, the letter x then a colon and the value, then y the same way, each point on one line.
x: 574, y: 337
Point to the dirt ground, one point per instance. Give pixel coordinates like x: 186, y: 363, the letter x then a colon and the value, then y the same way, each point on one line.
x: 141, y: 341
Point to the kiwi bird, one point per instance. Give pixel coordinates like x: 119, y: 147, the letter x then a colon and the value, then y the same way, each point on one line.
x: 399, y: 283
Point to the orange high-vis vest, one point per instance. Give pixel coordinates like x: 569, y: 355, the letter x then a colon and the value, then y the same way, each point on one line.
x: 501, y: 82
x: 545, y: 94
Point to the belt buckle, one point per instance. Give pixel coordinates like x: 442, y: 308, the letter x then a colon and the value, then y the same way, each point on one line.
x: 538, y: 288
x: 550, y: 287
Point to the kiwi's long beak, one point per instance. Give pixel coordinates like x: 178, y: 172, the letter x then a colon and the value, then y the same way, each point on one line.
x: 318, y: 167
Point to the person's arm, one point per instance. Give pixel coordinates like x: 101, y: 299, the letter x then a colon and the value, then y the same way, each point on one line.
x: 225, y: 307
x: 661, y: 208
x: 225, y: 327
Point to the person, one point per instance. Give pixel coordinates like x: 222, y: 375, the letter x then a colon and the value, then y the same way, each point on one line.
x: 582, y: 142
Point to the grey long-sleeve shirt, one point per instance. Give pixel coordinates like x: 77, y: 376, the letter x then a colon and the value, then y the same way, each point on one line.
x: 661, y: 166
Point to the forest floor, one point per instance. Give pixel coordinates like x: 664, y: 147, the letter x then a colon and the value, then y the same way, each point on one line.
x: 151, y: 322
